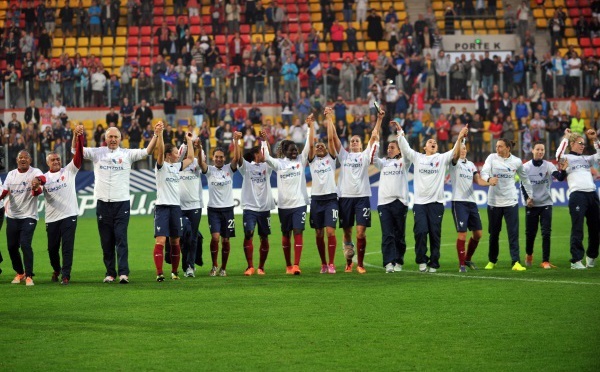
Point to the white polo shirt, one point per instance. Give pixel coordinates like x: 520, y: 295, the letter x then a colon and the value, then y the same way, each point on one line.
x: 60, y: 193
x: 112, y: 169
x: 20, y: 204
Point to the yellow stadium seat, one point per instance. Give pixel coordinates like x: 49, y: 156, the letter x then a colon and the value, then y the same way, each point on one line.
x: 490, y: 24
x: 71, y: 42
x: 370, y: 46
x: 382, y: 45
x: 538, y: 13
x: 56, y: 52
x: 441, y: 25
x: 88, y: 124
x: 95, y: 51
x: 69, y: 51
x: 399, y: 6
x: 120, y: 51
x: 101, y: 122
x: 58, y: 42
x: 401, y: 15
x: 118, y: 61
x: 96, y: 41
x: 570, y: 32
x: 467, y: 25
x: 541, y: 23
x: 269, y: 38
x: 572, y: 41
x: 84, y: 52
x: 315, y: 17
x: 107, y: 52
x: 493, y: 32
x: 478, y: 24
x: 500, y: 13
x: 121, y: 41
x: 468, y: 32
x: 501, y: 24
x: 548, y: 13
x: 107, y: 41
x: 83, y: 42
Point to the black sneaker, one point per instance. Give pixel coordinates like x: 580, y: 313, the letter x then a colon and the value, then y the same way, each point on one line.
x: 64, y: 281
x: 160, y: 278
x: 470, y: 265
x: 55, y: 276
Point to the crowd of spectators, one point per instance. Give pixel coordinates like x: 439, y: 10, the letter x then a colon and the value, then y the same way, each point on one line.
x: 410, y: 79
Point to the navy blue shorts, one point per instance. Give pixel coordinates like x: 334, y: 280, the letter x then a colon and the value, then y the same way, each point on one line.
x: 294, y: 218
x: 466, y: 216
x: 355, y: 208
x: 167, y: 221
x: 221, y: 221
x: 262, y: 219
x: 324, y: 213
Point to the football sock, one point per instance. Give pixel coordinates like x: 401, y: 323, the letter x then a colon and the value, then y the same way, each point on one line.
x: 321, y: 249
x: 285, y: 244
x: 471, y: 249
x: 158, y: 258
x: 226, y: 247
x: 331, y: 246
x: 460, y: 249
x: 361, y: 246
x: 214, y: 251
x: 264, y: 252
x: 175, y: 257
x: 249, y: 251
x: 297, y: 248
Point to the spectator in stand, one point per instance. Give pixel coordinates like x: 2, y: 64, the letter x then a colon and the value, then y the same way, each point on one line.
x: 212, y: 108
x: 98, y: 81
x: 574, y: 67
x: 449, y: 17
x: 351, y: 39
x: 255, y: 115
x: 232, y: 15
x: 112, y: 117
x: 340, y: 110
x: 170, y: 107
x: 476, y: 133
x: 95, y: 12
x: 303, y: 107
x: 374, y: 27
x: 442, y: 126
x: 67, y: 15
x: 337, y: 36
x: 110, y: 17
x: 521, y: 110
x: 523, y: 13
x: 126, y: 112
x: 82, y: 20
x: 328, y: 18
x: 32, y: 114
x: 290, y: 76
x: 144, y: 114
x: 198, y: 109
x: 359, y: 127
x: 239, y: 116
x: 278, y: 16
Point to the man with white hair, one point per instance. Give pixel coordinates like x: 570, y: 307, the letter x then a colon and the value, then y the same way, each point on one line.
x: 112, y: 167
x: 62, y: 208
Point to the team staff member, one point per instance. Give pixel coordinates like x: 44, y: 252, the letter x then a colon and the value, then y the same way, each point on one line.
x: 22, y: 188
x: 463, y: 173
x: 190, y: 187
x: 62, y: 208
x: 354, y: 190
x: 540, y: 174
x: 323, y: 202
x: 583, y: 199
x: 257, y: 202
x: 112, y: 168
x: 499, y: 170
x: 292, y: 196
x: 392, y: 205
x: 220, y: 205
x: 1, y: 219
x: 428, y: 210
x: 167, y: 210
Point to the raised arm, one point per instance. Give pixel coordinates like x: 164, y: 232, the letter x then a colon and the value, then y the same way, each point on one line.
x: 311, y: 138
x: 562, y: 147
x: 189, y: 159
x: 202, y: 158
x: 264, y: 148
x: 159, y: 145
x: 236, y: 150
x: 78, y: 145
x: 332, y: 137
x: 456, y: 151
x: 152, y: 144
x: 405, y: 149
x: 380, y: 116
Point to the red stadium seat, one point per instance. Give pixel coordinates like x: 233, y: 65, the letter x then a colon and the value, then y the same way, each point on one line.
x: 146, y: 40
x: 588, y: 52
x: 133, y: 41
x: 145, y: 61
x: 146, y: 31
x: 304, y: 17
x: 571, y: 3
x: 194, y: 21
x: 133, y: 51
x: 145, y: 51
x: 596, y: 41
x: 293, y: 28
x: 586, y: 12
x: 244, y: 29
x: 134, y: 30
x: 585, y: 42
x: 372, y: 56
x: 305, y: 27
x: 220, y: 40
x: 359, y: 55
x: 195, y: 30
x: 584, y: 3
x: 574, y: 13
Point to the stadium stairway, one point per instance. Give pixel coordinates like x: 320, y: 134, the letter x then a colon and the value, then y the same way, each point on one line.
x: 415, y: 7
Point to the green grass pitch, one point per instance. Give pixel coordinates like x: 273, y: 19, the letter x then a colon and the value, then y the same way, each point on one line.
x: 484, y: 320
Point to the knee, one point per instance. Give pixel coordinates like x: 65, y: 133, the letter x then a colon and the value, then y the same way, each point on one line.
x: 248, y: 235
x: 161, y: 240
x: 330, y: 232
x: 477, y: 235
x: 319, y: 233
x: 297, y: 232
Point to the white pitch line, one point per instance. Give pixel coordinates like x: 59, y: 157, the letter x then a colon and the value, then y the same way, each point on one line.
x: 487, y: 277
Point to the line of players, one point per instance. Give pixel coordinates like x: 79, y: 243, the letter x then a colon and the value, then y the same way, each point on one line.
x: 179, y: 196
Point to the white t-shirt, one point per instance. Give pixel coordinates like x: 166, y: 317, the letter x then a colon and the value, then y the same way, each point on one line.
x: 19, y: 203
x: 429, y: 172
x: 190, y: 187
x: 323, y: 175
x: 60, y: 193
x: 220, y: 186
x: 505, y: 193
x: 461, y: 176
x: 393, y: 180
x: 354, y: 173
x: 291, y: 181
x: 541, y: 181
x: 112, y: 169
x: 256, y: 187
x: 167, y: 183
x: 572, y: 62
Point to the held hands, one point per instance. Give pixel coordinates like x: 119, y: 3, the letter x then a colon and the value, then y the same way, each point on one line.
x: 328, y: 112
x: 158, y: 128
x: 237, y: 136
x: 380, y: 114
x: 398, y: 128
x: 493, y: 181
x: 310, y: 120
x: 567, y: 132
x: 263, y: 135
x: 529, y: 203
x: 592, y: 135
x: 563, y: 164
x: 79, y: 130
x: 35, y: 183
x: 464, y: 132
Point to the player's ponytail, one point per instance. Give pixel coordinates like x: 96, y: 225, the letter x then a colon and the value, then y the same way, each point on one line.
x: 508, y: 143
x: 249, y: 156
